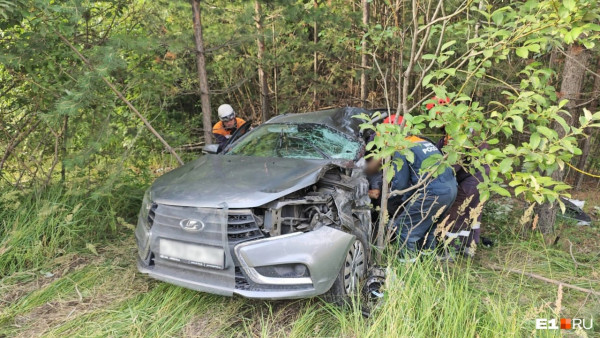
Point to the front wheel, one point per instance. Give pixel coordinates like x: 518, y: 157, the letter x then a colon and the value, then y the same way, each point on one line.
x: 354, y: 269
x: 353, y: 273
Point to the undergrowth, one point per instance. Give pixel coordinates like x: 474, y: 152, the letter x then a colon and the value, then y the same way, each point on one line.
x: 38, y: 225
x: 67, y: 268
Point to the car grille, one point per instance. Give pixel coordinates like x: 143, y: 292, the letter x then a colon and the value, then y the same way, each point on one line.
x: 241, y: 227
x: 240, y: 280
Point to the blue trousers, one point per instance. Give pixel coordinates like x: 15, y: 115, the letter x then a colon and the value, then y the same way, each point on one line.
x: 415, y: 224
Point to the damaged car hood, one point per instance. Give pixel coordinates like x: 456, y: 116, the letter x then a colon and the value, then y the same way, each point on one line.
x: 239, y: 181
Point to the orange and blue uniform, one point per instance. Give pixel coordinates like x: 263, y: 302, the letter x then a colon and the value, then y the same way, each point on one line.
x: 414, y: 223
x: 223, y: 134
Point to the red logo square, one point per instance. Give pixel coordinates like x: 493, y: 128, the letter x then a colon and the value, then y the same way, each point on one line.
x: 565, y: 324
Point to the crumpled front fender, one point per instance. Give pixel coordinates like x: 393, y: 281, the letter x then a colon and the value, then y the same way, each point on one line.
x: 323, y: 251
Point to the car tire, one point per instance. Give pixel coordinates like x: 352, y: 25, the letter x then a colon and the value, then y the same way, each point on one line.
x: 353, y: 273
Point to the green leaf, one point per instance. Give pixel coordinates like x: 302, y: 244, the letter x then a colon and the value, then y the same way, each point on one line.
x: 474, y: 40
x: 534, y: 47
x: 534, y: 140
x: 497, y: 17
x: 569, y: 4
x: 506, y: 165
x: 427, y: 79
x: 549, y: 133
x: 389, y: 174
x: 499, y: 190
x: 589, y: 44
x: 563, y: 123
x: 562, y: 206
x: 488, y: 53
x: 538, y: 198
x: 587, y: 114
x: 518, y: 121
x: 410, y: 156
x: 484, y: 195
x: 520, y: 189
x: 562, y: 103
x: 450, y: 71
x: 523, y: 52
x: 448, y: 44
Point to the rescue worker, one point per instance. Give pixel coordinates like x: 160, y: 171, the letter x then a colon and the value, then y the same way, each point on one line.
x: 375, y: 178
x: 227, y: 125
x: 428, y: 198
x: 462, y: 236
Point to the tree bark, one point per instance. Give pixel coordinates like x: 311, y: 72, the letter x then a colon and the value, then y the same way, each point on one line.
x: 63, y: 170
x: 363, y: 62
x: 585, y: 149
x: 202, y: 77
x: 572, y: 81
x: 262, y: 78
x: 315, y: 59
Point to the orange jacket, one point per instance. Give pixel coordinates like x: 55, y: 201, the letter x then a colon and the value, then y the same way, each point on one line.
x: 219, y: 128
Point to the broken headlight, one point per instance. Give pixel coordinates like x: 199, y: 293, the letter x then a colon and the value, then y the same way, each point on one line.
x: 148, y: 209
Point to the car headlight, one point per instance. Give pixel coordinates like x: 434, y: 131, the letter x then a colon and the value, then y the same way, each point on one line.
x: 148, y: 209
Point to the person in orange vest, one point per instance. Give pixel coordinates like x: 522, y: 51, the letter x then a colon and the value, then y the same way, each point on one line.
x: 227, y: 124
x: 424, y: 198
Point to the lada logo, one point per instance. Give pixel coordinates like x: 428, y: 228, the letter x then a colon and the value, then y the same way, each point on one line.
x: 191, y: 225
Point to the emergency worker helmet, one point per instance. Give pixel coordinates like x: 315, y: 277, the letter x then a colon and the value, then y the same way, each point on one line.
x: 226, y: 113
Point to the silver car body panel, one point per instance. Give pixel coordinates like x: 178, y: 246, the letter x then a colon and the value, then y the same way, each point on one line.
x: 239, y: 181
x: 208, y: 206
x: 322, y: 251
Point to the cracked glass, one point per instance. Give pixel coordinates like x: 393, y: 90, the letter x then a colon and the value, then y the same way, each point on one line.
x: 305, y: 141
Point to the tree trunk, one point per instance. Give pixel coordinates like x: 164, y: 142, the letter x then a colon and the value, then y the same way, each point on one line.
x: 63, y: 170
x: 262, y: 78
x: 570, y: 88
x: 363, y: 62
x: 274, y: 51
x: 202, y: 77
x: 315, y: 59
x: 585, y: 149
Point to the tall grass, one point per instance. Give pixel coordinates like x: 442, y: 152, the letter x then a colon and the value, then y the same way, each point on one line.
x: 67, y: 268
x: 429, y: 299
x: 38, y: 225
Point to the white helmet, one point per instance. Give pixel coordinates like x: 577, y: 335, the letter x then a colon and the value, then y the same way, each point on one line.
x: 226, y: 113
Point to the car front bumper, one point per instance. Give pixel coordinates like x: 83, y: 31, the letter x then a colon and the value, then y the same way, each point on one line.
x: 322, y: 251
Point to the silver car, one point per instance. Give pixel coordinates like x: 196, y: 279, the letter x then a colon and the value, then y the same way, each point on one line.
x: 283, y: 212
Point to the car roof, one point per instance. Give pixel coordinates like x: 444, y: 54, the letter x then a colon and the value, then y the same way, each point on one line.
x: 340, y: 119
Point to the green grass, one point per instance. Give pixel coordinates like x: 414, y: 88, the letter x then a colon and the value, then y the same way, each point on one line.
x: 67, y: 268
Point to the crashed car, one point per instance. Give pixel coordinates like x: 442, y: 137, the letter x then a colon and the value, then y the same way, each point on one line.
x: 282, y: 213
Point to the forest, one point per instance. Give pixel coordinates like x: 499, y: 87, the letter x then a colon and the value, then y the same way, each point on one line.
x: 100, y: 98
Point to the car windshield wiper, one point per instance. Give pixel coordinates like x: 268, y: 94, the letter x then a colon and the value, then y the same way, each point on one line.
x: 319, y: 150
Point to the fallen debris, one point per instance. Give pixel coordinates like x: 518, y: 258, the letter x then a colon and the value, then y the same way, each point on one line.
x: 574, y: 212
x: 542, y: 278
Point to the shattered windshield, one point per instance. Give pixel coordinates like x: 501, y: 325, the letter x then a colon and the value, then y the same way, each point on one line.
x: 306, y: 141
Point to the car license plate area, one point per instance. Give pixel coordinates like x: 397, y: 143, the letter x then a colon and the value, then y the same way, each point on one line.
x: 194, y: 254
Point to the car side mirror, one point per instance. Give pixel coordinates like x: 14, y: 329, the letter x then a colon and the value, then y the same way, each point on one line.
x: 210, y: 149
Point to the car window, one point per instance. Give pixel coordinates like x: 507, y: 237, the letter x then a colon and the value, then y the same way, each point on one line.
x: 307, y: 141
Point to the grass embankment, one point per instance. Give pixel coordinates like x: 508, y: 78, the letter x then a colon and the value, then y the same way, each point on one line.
x: 67, y: 268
